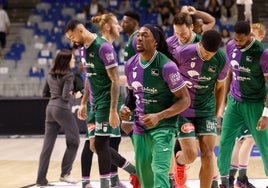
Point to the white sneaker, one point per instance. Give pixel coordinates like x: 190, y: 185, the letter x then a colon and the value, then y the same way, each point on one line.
x: 68, y: 179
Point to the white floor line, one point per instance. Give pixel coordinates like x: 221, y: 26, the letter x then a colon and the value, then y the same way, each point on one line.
x: 259, y: 183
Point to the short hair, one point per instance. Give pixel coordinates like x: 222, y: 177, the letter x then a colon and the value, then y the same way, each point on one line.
x: 211, y: 40
x: 242, y: 27
x: 72, y: 24
x: 182, y: 18
x: 132, y: 14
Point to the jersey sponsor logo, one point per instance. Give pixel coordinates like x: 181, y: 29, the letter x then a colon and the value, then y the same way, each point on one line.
x: 102, y: 126
x: 90, y: 127
x: 237, y: 67
x: 211, y: 69
x: 249, y: 58
x: 187, y: 128
x: 175, y: 78
x: 91, y: 54
x: 150, y: 90
x: 155, y: 72
x: 134, y: 73
x: 90, y: 74
x: 136, y: 85
x: 193, y: 73
x: 192, y: 64
x: 211, y: 125
x: 109, y: 57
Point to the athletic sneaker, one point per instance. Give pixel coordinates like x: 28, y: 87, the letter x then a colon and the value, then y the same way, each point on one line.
x: 231, y: 181
x: 243, y: 183
x: 119, y: 184
x: 86, y: 184
x: 68, y: 179
x: 179, y: 172
x: 134, y: 181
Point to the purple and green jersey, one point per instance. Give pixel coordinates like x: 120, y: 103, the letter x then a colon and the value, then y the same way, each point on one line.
x: 173, y: 42
x: 130, y: 48
x: 97, y: 58
x: 249, y: 66
x: 153, y: 84
x: 200, y: 77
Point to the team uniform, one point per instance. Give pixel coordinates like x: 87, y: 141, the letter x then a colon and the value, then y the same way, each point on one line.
x: 130, y: 48
x: 245, y: 100
x: 98, y: 57
x: 129, y: 51
x: 153, y: 94
x: 200, y: 77
x: 173, y: 42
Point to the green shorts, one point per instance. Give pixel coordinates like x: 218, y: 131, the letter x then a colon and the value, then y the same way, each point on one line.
x: 196, y: 126
x: 98, y: 124
x: 244, y: 132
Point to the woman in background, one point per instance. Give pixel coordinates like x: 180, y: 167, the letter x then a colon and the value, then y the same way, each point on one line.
x: 59, y: 87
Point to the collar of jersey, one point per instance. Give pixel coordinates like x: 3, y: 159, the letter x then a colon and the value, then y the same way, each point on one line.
x: 150, y: 61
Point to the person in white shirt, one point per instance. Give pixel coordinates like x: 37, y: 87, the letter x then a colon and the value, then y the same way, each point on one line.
x: 4, y: 27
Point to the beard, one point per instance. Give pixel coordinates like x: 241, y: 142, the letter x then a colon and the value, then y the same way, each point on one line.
x: 140, y: 50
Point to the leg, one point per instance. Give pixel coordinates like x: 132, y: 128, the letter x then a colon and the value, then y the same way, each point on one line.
x: 189, y: 150
x: 104, y: 155
x: 234, y: 161
x: 72, y: 140
x: 143, y: 158
x: 51, y: 132
x: 260, y: 137
x: 86, y: 161
x: 245, y: 150
x: 230, y: 129
x: 162, y: 150
x: 208, y: 163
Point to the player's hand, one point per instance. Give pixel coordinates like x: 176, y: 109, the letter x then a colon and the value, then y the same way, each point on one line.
x: 125, y: 113
x: 150, y: 120
x: 262, y: 123
x: 114, y: 120
x: 82, y: 112
x: 78, y: 94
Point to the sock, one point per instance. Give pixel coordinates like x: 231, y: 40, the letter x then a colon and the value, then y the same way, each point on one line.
x: 225, y: 181
x: 104, y: 182
x: 130, y: 168
x: 233, y: 170
x: 114, y: 179
x: 85, y: 182
x: 242, y: 171
x: 215, y: 182
x: 171, y: 180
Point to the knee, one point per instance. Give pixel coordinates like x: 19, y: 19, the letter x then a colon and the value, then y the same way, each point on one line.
x: 101, y: 143
x: 190, y: 155
x: 74, y: 143
x: 207, y: 155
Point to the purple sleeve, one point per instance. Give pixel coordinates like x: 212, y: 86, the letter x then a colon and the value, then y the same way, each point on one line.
x: 176, y: 55
x: 224, y: 72
x: 108, y: 55
x: 264, y: 62
x: 172, y: 76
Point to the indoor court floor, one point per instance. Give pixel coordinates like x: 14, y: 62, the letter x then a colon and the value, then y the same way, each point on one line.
x: 19, y: 157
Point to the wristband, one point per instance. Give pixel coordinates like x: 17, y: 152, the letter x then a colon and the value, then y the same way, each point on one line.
x: 265, y: 112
